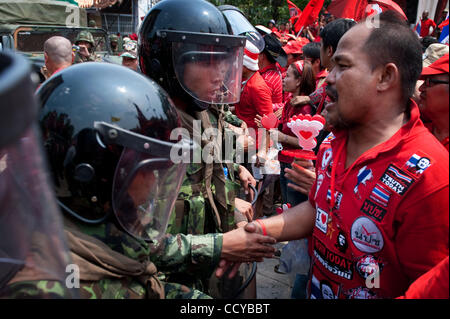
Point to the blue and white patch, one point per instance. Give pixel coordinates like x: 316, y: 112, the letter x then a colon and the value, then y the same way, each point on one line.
x: 364, y: 175
x: 417, y: 164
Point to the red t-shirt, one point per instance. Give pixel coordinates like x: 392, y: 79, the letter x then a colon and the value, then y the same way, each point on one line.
x: 272, y: 75
x: 425, y: 27
x: 288, y: 112
x: 256, y: 98
x: 432, y: 285
x: 390, y: 214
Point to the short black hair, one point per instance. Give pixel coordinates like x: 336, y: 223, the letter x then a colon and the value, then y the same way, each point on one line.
x: 394, y: 42
x: 333, y: 32
x: 311, y: 50
x: 427, y: 41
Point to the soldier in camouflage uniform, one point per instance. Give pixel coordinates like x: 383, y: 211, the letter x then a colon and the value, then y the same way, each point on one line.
x: 185, y: 61
x: 114, y: 43
x: 107, y: 134
x: 33, y: 253
x: 86, y: 42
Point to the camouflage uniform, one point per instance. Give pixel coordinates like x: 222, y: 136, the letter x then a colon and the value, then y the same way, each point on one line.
x: 195, y: 213
x: 85, y: 36
x: 171, y: 260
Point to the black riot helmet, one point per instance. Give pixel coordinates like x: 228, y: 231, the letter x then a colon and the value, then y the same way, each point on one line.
x: 108, y: 134
x: 188, y: 47
x: 32, y: 246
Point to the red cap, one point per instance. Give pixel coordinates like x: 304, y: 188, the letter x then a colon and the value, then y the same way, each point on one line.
x: 439, y: 66
x: 293, y: 47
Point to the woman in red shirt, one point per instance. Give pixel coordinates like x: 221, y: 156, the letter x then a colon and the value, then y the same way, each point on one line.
x: 299, y: 81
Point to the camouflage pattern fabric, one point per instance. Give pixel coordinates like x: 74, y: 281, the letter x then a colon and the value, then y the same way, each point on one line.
x: 193, y: 213
x: 172, y: 254
x: 41, y: 289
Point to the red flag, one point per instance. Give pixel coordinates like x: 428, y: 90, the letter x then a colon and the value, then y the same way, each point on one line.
x: 293, y: 9
x: 309, y: 14
x: 350, y: 9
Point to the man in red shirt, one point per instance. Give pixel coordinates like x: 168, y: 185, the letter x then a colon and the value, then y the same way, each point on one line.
x: 378, y: 211
x: 256, y: 96
x: 426, y: 24
x: 270, y: 72
x: 434, y: 97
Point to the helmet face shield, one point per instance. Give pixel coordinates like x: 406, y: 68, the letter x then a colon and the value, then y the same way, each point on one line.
x: 146, y: 181
x: 144, y: 193
x: 208, y: 66
x: 31, y: 229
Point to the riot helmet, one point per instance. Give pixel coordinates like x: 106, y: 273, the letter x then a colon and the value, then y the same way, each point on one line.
x: 32, y: 248
x: 107, y: 132
x: 188, y: 47
x: 241, y: 26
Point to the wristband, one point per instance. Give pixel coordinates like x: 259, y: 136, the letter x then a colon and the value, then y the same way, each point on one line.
x: 262, y: 226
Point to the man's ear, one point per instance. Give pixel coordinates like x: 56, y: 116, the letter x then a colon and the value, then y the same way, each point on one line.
x: 388, y: 77
x: 329, y: 51
x: 45, y: 58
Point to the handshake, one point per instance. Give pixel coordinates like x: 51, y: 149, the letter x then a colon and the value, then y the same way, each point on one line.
x: 245, y: 244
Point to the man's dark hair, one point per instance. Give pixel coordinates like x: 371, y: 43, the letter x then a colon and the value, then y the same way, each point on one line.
x: 427, y: 41
x: 394, y: 42
x: 311, y: 50
x: 333, y: 32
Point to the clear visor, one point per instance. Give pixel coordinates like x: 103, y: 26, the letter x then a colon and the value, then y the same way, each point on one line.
x: 144, y: 192
x: 31, y: 230
x: 210, y: 73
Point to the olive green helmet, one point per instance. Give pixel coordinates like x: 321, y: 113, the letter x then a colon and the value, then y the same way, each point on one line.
x: 113, y: 38
x: 85, y: 36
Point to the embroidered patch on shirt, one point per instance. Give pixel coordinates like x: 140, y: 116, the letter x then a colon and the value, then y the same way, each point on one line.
x: 417, y: 164
x: 396, y: 179
x: 380, y: 195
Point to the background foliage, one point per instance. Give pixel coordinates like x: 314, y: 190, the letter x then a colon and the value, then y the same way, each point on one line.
x: 261, y: 11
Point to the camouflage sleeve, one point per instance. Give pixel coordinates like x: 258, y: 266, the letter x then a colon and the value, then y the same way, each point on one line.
x: 39, y: 289
x: 178, y: 291
x: 187, y: 253
x: 232, y: 119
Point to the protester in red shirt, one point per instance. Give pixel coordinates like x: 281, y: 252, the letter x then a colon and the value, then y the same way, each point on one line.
x: 330, y: 36
x: 273, y: 53
x: 434, y: 98
x: 256, y: 96
x: 272, y: 26
x: 311, y: 53
x: 376, y: 178
x: 426, y: 24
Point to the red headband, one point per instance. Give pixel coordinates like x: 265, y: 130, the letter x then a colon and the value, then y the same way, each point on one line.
x: 251, y: 55
x: 299, y: 66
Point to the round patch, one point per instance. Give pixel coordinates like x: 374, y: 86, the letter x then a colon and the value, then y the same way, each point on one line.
x: 366, y: 236
x: 367, y: 265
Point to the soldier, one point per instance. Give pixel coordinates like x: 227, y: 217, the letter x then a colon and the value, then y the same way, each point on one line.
x: 107, y: 134
x: 33, y: 254
x: 113, y: 41
x: 86, y: 42
x: 189, y: 49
